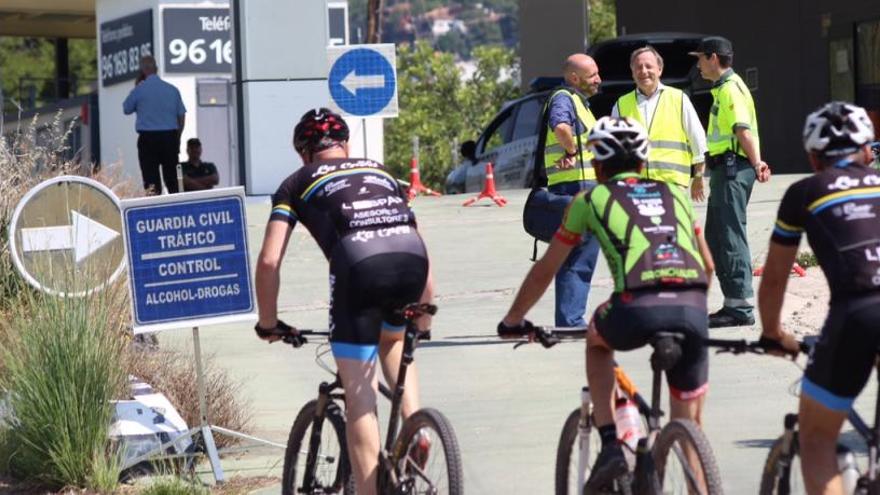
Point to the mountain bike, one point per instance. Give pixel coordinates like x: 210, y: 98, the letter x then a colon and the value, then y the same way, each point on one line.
x: 422, y: 458
x: 782, y: 472
x: 672, y: 458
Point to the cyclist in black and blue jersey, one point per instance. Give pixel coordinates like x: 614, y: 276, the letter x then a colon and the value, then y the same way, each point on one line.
x: 838, y: 208
x: 359, y: 217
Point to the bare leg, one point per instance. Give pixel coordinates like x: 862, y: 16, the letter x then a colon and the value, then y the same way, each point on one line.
x: 600, y: 376
x: 819, y: 428
x: 362, y: 428
x: 390, y: 353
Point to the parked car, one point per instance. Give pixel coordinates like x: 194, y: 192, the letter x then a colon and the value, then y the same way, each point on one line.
x: 510, y: 140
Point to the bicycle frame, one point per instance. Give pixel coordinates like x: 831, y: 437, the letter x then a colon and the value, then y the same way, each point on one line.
x: 332, y: 391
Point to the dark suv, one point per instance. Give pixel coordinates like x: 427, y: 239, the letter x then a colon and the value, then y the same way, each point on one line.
x: 511, y: 138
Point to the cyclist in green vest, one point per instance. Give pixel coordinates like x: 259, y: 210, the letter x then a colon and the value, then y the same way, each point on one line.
x: 678, y: 141
x: 661, y: 267
x: 735, y: 162
x: 568, y: 170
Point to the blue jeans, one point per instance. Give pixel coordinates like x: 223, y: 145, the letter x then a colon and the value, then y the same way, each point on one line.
x: 574, y: 276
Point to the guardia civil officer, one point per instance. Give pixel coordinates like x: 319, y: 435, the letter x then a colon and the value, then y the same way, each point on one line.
x: 734, y: 160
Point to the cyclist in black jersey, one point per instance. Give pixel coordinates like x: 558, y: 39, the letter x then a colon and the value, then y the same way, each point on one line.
x: 359, y: 217
x: 839, y: 209
x: 661, y: 267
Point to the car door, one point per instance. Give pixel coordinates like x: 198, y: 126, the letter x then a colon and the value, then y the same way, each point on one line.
x: 491, y: 147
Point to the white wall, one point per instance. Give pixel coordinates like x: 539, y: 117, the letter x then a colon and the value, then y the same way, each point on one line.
x: 118, y: 135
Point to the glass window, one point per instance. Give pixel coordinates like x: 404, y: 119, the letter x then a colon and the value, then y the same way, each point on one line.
x: 527, y: 119
x: 499, y: 132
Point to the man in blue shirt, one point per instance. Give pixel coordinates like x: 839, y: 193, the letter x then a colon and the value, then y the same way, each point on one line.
x: 569, y: 170
x: 159, y: 123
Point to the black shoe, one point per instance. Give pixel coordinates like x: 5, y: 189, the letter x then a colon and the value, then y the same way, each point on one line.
x: 609, y: 466
x: 726, y: 318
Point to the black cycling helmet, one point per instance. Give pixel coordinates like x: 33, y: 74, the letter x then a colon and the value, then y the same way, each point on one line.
x: 319, y: 129
x: 837, y: 129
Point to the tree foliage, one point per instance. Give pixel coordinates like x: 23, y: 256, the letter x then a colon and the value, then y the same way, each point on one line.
x: 439, y: 107
x: 603, y: 20
x: 27, y: 70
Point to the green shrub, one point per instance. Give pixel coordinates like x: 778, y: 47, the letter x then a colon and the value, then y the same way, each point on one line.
x: 63, y: 365
x: 806, y: 259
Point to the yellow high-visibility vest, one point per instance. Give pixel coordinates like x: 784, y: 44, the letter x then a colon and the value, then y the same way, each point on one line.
x: 553, y: 151
x: 732, y: 104
x: 669, y: 158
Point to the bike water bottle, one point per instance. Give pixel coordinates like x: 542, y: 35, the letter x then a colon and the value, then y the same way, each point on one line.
x: 849, y: 471
x: 629, y: 427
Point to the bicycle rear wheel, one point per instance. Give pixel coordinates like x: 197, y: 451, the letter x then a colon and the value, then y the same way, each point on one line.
x: 426, y: 455
x: 332, y: 472
x: 684, y: 460
x: 782, y: 472
x: 571, y: 452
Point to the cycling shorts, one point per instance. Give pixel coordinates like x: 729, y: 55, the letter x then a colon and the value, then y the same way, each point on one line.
x: 628, y: 321
x: 369, y: 283
x: 841, y: 361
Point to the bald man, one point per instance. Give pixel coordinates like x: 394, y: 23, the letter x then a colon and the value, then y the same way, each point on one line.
x: 567, y: 169
x: 159, y: 123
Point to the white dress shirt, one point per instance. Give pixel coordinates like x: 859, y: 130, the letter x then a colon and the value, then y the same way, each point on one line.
x: 691, y: 121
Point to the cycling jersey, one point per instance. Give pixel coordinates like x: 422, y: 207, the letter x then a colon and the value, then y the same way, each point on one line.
x: 341, y: 197
x: 838, y: 208
x: 378, y: 264
x: 645, y: 229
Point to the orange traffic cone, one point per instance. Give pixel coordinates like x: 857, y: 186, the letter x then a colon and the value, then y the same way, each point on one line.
x: 415, y: 183
x: 796, y: 269
x: 488, y: 190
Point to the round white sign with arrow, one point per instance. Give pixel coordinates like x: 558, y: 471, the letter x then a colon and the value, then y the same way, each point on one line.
x: 65, y: 236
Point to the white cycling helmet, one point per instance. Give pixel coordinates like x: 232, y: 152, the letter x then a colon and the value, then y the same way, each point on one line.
x: 618, y: 137
x: 837, y: 129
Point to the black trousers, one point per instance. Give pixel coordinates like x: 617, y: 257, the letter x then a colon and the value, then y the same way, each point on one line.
x: 159, y: 149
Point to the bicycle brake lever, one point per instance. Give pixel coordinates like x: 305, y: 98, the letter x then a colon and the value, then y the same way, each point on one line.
x: 296, y: 340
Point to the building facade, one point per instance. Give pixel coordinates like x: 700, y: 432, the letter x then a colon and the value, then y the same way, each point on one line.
x: 794, y: 54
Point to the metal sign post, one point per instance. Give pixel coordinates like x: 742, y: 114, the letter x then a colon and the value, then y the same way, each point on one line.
x: 189, y: 266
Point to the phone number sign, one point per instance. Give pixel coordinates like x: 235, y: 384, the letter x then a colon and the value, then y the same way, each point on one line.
x: 196, y: 40
x: 123, y: 42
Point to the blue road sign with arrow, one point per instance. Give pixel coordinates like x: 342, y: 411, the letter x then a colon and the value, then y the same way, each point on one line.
x: 363, y: 80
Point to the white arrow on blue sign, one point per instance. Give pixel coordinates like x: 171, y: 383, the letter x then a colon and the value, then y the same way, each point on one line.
x: 363, y: 80
x: 188, y: 259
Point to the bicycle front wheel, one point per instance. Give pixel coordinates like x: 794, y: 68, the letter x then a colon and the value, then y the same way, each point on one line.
x: 684, y: 460
x: 426, y: 455
x: 331, y: 472
x: 575, y: 454
x: 782, y: 471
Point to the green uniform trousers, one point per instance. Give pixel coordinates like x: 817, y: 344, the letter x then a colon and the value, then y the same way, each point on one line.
x: 727, y: 236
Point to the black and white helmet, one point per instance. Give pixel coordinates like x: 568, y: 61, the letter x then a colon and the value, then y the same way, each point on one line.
x: 837, y: 129
x: 618, y: 137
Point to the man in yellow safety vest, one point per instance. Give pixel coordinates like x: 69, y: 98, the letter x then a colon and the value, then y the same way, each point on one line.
x: 678, y: 141
x: 568, y: 170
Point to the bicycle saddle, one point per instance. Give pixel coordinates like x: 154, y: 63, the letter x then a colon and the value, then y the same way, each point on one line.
x: 667, y: 350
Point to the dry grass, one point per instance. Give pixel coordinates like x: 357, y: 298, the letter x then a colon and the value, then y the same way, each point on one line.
x: 30, y: 157
x: 173, y: 374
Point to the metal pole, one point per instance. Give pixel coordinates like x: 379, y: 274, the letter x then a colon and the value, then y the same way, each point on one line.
x: 364, y: 124
x: 179, y: 178
x: 204, y: 424
x: 415, y: 153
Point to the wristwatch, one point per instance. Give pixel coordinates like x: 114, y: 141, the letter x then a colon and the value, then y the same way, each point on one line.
x: 570, y: 155
x: 698, y: 175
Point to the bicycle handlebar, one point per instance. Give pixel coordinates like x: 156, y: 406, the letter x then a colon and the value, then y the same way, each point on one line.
x: 550, y: 336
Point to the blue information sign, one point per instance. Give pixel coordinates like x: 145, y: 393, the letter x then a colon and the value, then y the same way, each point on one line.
x: 187, y: 258
x: 363, y: 80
